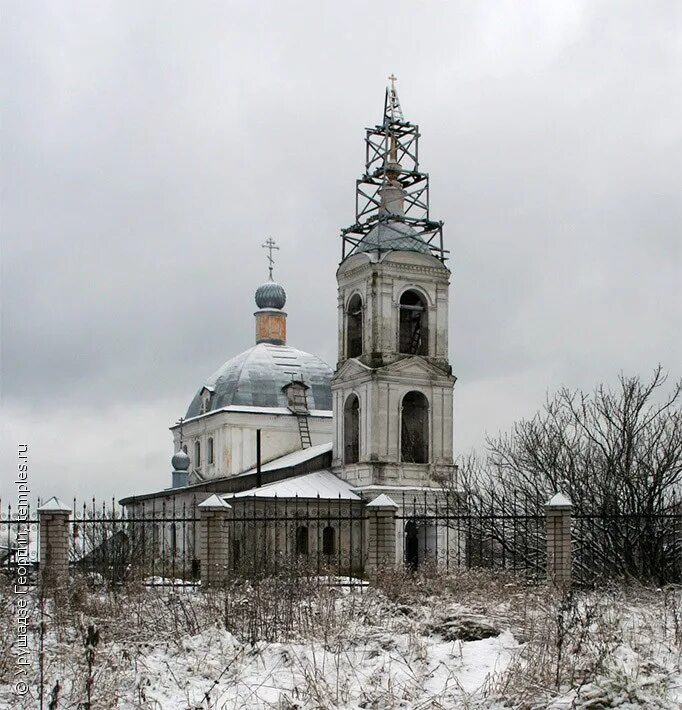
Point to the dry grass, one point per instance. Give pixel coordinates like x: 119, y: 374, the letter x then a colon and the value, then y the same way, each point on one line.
x: 590, y: 647
x: 617, y: 645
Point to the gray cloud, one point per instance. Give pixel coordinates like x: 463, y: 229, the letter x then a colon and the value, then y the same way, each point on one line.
x: 147, y: 151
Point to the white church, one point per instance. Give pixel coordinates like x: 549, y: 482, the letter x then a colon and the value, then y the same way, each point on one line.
x: 277, y: 432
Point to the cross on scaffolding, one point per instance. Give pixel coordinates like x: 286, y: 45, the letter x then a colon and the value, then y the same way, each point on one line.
x: 271, y: 246
x: 392, y: 109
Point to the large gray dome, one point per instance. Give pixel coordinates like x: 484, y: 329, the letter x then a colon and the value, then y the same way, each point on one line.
x: 393, y: 236
x: 270, y: 295
x: 256, y: 377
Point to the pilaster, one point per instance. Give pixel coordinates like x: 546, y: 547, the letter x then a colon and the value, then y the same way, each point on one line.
x: 214, y: 542
x: 53, y: 523
x: 559, y: 554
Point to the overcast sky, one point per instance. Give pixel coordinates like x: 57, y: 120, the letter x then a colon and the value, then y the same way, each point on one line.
x: 148, y: 148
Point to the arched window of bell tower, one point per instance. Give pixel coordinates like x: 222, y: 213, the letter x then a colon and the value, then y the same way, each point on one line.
x: 413, y: 336
x: 414, y: 428
x: 351, y: 430
x: 354, y: 326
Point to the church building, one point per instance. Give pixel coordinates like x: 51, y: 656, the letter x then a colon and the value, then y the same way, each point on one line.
x: 278, y: 433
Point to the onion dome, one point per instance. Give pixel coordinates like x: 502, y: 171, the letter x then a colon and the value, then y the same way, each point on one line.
x: 271, y: 295
x: 180, y: 461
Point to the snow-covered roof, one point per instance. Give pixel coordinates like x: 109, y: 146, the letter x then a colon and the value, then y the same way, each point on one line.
x: 293, y: 459
x: 246, y: 409
x: 286, y: 461
x: 322, y: 484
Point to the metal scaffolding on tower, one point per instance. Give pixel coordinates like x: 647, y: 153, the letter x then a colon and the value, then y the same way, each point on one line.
x: 392, y: 159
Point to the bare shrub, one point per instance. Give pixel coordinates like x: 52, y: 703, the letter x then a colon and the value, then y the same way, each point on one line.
x: 617, y: 453
x: 572, y: 644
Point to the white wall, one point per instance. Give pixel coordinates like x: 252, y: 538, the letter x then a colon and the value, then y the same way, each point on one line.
x: 234, y: 437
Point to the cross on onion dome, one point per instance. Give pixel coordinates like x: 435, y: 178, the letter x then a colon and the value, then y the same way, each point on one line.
x: 271, y: 246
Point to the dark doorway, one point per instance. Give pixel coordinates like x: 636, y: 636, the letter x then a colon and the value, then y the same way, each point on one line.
x: 414, y: 336
x: 411, y: 545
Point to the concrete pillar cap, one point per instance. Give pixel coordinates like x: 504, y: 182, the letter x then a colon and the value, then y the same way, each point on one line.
x: 54, y: 505
x: 559, y: 500
x: 383, y: 501
x: 214, y: 503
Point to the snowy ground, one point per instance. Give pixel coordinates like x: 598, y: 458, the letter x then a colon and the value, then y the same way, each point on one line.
x: 464, y: 641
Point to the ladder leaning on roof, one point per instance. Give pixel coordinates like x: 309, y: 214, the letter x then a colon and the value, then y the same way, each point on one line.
x: 304, y: 431
x: 298, y: 404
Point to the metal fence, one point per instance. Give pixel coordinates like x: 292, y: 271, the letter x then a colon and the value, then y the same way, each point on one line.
x: 19, y: 542
x: 158, y: 543
x: 609, y: 544
x: 150, y: 544
x: 455, y: 533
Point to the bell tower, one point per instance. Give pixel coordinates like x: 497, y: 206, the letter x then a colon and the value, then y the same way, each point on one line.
x: 392, y: 389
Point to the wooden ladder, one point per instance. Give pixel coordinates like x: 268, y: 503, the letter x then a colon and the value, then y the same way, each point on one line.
x: 300, y: 409
x: 304, y: 431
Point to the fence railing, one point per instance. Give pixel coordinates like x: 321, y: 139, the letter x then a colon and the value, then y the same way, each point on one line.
x: 340, y: 541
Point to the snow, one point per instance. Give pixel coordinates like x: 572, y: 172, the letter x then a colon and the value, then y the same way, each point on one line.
x: 264, y: 675
x: 382, y: 501
x: 54, y: 505
x: 249, y: 409
x: 407, y: 489
x: 460, y: 641
x: 322, y: 484
x: 559, y: 500
x: 213, y: 502
x: 293, y: 459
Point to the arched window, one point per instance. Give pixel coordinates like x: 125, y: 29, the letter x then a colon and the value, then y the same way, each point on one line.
x: 210, y: 450
x: 354, y: 327
x: 184, y: 448
x: 302, y: 540
x: 414, y: 429
x: 329, y: 541
x: 197, y: 453
x: 351, y: 430
x: 414, y: 333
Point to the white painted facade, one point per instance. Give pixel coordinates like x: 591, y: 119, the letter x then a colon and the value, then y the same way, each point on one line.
x: 381, y: 280
x: 233, y: 431
x: 381, y: 376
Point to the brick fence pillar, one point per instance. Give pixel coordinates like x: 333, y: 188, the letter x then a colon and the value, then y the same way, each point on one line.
x: 381, y: 533
x: 559, y: 556
x: 214, y: 543
x: 53, y: 523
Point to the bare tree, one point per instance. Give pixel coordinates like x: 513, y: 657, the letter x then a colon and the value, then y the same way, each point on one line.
x: 617, y: 453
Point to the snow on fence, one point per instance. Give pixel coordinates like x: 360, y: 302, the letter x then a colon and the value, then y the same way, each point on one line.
x: 338, y: 541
